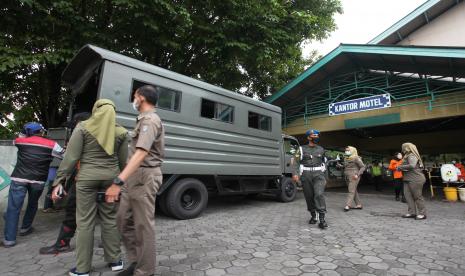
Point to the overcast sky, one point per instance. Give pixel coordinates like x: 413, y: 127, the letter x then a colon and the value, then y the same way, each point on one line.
x: 362, y: 20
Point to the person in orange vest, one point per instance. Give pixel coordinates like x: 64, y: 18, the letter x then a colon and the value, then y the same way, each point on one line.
x: 397, y: 176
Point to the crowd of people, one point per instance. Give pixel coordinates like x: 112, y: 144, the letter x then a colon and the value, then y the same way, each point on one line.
x: 103, y: 174
x: 408, y: 178
x: 111, y: 174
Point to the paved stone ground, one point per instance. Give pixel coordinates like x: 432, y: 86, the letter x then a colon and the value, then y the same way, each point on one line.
x: 238, y: 236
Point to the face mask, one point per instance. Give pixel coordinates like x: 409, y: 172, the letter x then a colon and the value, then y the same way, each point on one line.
x: 399, y: 156
x: 315, y: 139
x: 135, y: 105
x: 347, y: 153
x: 379, y: 164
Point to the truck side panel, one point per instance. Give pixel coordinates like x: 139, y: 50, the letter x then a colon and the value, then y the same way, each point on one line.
x: 194, y: 144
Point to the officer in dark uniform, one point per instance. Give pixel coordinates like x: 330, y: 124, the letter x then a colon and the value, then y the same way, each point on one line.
x: 312, y: 166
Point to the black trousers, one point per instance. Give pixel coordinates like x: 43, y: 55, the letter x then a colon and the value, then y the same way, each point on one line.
x: 68, y: 225
x: 48, y: 203
x: 314, y: 184
x: 378, y: 180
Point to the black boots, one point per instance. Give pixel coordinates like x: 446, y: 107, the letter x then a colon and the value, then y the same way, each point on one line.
x: 313, y: 219
x: 321, y: 216
x: 128, y: 271
x: 62, y: 243
x: 322, y: 224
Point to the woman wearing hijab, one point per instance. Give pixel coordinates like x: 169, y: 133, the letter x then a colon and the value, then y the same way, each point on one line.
x: 412, y: 167
x: 353, y: 170
x: 397, y: 176
x: 100, y: 146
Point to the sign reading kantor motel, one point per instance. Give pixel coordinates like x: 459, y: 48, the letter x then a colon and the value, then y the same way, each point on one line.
x: 361, y: 104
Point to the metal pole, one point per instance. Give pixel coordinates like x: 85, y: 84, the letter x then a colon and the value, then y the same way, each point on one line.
x: 355, y: 79
x: 329, y: 89
x: 428, y: 92
x: 387, y: 79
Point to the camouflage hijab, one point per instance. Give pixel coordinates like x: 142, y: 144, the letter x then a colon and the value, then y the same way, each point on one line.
x: 408, y: 149
x: 102, y: 125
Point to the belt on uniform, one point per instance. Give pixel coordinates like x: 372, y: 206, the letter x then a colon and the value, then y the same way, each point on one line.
x: 312, y: 169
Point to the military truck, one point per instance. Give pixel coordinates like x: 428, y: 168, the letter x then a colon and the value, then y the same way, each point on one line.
x: 217, y: 142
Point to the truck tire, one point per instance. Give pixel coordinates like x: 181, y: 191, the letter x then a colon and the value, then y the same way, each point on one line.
x: 288, y: 190
x: 162, y: 203
x: 187, y: 198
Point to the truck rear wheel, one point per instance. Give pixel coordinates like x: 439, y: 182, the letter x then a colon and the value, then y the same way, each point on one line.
x: 288, y: 190
x: 162, y: 203
x: 187, y: 198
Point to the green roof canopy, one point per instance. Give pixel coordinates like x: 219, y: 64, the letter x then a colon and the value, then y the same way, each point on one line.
x: 432, y: 61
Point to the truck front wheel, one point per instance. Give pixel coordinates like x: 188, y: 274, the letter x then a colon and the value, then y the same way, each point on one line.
x: 288, y: 190
x: 187, y: 198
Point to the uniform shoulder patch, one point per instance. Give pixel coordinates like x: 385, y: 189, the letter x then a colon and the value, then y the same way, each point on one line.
x: 145, y: 128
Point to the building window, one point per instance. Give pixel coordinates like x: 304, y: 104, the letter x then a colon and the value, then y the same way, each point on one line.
x: 217, y: 111
x: 168, y: 99
x: 259, y: 121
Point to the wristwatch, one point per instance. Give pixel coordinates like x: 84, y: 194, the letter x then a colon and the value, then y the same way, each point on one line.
x: 118, y: 181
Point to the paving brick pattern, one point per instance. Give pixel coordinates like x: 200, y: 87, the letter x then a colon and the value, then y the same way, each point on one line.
x: 238, y: 236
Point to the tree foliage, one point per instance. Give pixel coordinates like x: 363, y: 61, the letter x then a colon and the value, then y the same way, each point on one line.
x: 247, y: 45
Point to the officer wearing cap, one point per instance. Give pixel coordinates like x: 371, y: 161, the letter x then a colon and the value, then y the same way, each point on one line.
x: 139, y: 183
x: 312, y: 167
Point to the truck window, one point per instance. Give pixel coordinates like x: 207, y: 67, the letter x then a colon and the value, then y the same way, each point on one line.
x: 291, y: 146
x: 217, y: 111
x: 259, y: 121
x: 169, y: 99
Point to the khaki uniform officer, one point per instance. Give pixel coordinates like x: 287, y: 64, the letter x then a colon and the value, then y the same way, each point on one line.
x: 412, y: 169
x: 101, y: 147
x: 353, y: 170
x: 143, y: 177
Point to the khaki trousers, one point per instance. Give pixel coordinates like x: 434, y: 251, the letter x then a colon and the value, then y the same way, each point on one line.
x: 87, y: 209
x: 353, y: 194
x: 413, y: 195
x: 136, y: 218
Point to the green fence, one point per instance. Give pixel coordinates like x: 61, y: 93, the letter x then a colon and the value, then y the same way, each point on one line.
x: 405, y: 89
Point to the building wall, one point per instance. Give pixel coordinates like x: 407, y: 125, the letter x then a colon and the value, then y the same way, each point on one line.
x: 446, y: 30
